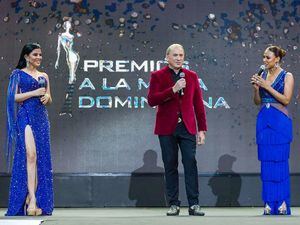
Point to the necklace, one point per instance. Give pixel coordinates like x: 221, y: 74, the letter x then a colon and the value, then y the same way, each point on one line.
x: 272, y: 71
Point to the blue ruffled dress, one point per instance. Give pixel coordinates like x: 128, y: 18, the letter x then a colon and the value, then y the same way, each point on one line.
x: 273, y: 137
x: 33, y: 113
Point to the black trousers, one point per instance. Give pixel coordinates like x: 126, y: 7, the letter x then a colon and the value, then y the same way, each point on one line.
x: 169, y: 146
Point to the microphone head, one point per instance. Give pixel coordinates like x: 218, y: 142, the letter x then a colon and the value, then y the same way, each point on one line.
x: 182, y: 75
x: 261, y: 69
x: 42, y: 82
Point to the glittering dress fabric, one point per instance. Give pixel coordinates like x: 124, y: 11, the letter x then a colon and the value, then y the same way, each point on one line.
x: 273, y: 137
x: 34, y: 114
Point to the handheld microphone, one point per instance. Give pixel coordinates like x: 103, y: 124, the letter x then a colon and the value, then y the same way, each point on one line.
x: 42, y: 82
x: 181, y: 75
x: 261, y: 69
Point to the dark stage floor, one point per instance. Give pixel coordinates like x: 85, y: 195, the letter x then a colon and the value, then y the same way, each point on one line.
x: 145, y: 216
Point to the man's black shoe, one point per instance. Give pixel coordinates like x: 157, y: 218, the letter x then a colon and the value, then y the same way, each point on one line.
x: 195, y: 210
x: 173, y: 210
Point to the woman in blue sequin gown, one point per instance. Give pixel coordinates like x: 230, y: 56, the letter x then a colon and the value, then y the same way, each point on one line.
x: 273, y: 90
x: 31, y: 191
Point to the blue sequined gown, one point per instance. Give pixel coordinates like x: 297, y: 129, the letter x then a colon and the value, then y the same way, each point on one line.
x: 33, y: 113
x: 273, y: 137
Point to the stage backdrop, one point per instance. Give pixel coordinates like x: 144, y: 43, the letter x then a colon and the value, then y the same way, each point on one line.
x: 119, y: 43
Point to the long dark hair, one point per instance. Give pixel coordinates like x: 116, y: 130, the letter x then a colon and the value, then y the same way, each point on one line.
x: 27, y: 49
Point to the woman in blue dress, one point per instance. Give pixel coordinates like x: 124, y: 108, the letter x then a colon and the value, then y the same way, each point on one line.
x: 273, y: 91
x: 31, y: 191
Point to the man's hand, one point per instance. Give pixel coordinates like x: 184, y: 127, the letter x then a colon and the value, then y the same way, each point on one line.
x: 201, y: 137
x: 181, y: 83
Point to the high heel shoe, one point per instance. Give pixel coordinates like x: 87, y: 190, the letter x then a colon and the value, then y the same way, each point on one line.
x: 33, y: 211
x: 282, y: 210
x: 38, y: 212
x: 29, y: 211
x: 267, y: 210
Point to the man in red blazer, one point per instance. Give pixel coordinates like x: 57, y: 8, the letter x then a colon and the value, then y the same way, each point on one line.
x: 176, y: 93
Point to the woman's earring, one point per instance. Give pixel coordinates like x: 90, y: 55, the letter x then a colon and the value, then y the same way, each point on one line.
x: 27, y: 63
x: 276, y: 65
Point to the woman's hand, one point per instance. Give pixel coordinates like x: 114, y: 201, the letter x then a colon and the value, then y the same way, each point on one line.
x: 39, y: 92
x: 258, y: 81
x: 45, y: 99
x: 254, y: 84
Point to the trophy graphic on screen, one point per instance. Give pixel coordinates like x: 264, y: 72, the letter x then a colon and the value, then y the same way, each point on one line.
x: 66, y: 40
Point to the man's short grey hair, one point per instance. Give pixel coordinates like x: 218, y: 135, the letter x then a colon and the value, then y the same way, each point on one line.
x: 171, y: 47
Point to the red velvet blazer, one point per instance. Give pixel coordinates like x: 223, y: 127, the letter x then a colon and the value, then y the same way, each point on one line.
x: 170, y: 104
